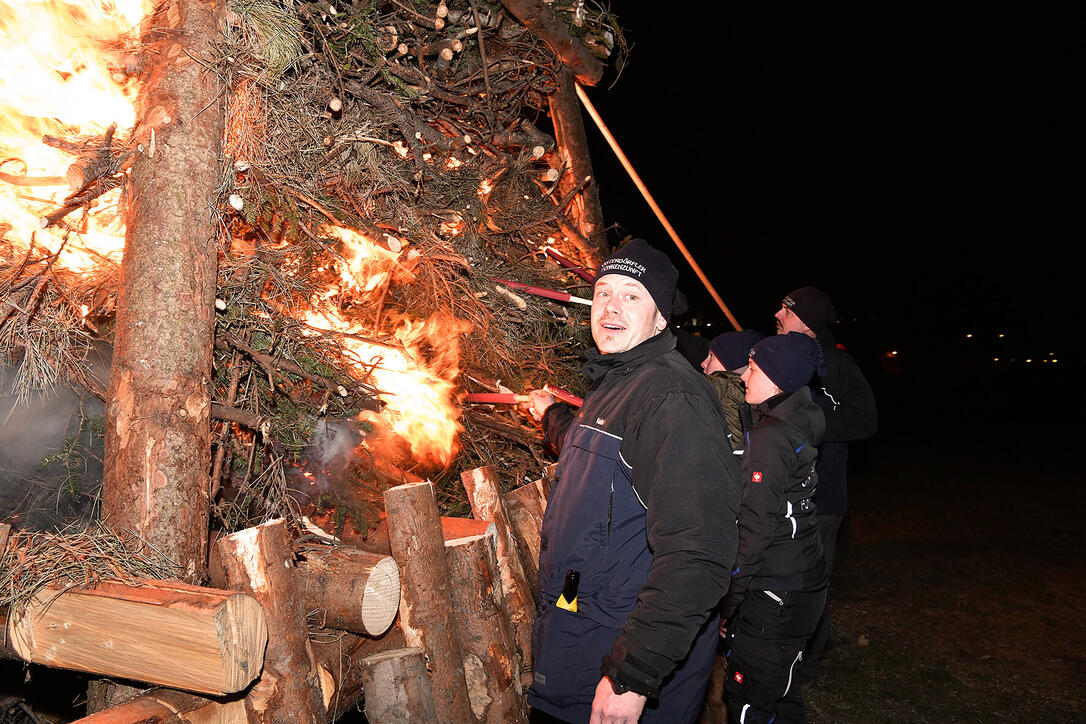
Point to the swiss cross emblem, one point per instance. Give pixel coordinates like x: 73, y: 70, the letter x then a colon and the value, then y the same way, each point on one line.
x: 738, y: 677
x: 757, y: 477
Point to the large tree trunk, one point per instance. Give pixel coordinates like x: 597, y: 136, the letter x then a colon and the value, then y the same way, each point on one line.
x: 158, y: 417
x: 588, y: 230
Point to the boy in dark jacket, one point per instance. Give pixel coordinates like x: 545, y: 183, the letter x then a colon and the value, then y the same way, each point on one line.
x: 724, y: 366
x: 779, y: 582
x: 641, y: 516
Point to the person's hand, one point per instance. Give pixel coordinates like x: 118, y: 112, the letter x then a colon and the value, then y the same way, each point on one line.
x: 611, y: 708
x: 723, y: 628
x: 538, y: 402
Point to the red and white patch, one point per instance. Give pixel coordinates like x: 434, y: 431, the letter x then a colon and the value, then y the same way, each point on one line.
x: 738, y: 677
x: 757, y: 477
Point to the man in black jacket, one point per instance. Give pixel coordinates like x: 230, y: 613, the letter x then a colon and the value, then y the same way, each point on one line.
x: 849, y: 405
x: 640, y: 529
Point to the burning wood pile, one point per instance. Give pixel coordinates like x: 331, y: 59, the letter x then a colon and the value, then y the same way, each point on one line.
x: 353, y: 210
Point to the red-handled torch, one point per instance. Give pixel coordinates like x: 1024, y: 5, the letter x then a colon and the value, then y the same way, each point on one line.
x: 548, y: 293
x: 568, y: 264
x: 510, y: 398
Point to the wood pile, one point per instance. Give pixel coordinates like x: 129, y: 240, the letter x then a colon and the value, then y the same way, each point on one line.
x: 296, y: 630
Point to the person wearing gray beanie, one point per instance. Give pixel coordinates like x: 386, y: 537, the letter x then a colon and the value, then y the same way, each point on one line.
x: 779, y: 581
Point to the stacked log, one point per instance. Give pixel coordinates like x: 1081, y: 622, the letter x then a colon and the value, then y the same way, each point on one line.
x: 243, y: 651
x: 487, y: 504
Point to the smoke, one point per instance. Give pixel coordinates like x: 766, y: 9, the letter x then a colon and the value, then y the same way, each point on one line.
x: 51, y: 450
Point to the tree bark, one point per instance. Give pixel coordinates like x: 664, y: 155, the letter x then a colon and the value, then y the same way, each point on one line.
x: 585, y: 210
x: 545, y: 25
x: 397, y: 688
x: 158, y: 449
x: 525, y: 509
x: 259, y: 561
x: 426, y: 615
x: 486, y: 504
x: 167, y: 706
x: 486, y: 635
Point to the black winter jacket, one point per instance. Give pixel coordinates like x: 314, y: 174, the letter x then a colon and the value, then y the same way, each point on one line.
x: 779, y: 546
x: 849, y: 405
x: 657, y: 569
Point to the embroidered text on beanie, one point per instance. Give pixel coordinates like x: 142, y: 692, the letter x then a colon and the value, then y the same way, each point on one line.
x: 650, y: 266
x: 733, y: 348
x: 789, y: 360
x: 813, y: 307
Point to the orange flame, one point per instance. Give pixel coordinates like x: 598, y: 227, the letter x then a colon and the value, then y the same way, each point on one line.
x: 60, y: 80
x: 414, y: 373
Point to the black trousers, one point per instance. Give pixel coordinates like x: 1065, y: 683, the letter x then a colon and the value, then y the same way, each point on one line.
x: 766, y: 638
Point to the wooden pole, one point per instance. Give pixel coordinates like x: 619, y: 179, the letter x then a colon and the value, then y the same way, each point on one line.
x: 397, y: 688
x: 260, y: 562
x: 158, y: 415
x: 426, y: 614
x: 573, y: 154
x: 484, y: 494
x: 654, y: 206
x: 537, y: 16
x: 351, y: 589
x: 490, y: 661
x: 200, y: 639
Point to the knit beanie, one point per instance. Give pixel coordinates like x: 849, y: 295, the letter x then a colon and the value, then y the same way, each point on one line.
x: 789, y: 360
x: 813, y: 307
x: 650, y: 266
x: 733, y: 348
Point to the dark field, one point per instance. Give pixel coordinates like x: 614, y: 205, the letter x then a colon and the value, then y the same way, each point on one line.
x: 961, y: 591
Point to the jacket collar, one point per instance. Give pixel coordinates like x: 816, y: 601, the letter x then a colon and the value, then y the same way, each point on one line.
x: 597, y: 365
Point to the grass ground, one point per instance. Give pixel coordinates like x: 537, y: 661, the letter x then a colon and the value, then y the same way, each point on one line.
x: 961, y: 593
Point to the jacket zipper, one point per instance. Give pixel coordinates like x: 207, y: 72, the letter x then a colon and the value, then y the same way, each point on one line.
x: 610, y: 507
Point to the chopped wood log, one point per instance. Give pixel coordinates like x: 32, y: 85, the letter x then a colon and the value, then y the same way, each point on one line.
x: 426, y: 614
x: 338, y: 655
x: 491, y: 664
x: 351, y: 589
x: 584, y: 209
x: 167, y: 706
x: 538, y: 17
x: 525, y: 509
x: 260, y: 561
x: 397, y: 688
x: 173, y: 634
x: 451, y: 528
x: 484, y: 494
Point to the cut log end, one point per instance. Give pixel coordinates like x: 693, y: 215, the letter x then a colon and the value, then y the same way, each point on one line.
x: 382, y: 597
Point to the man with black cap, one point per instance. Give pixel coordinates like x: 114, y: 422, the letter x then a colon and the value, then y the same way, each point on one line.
x: 849, y: 405
x: 640, y: 529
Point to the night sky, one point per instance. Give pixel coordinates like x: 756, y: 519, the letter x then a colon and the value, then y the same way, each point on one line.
x: 921, y: 165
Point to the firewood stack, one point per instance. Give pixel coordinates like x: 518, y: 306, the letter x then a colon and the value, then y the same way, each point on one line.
x: 298, y: 628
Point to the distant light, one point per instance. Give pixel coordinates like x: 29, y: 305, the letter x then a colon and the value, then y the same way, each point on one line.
x: 1051, y: 354
x: 1054, y: 360
x: 1001, y: 335
x: 708, y: 324
x: 1028, y: 360
x: 995, y: 359
x: 969, y: 335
